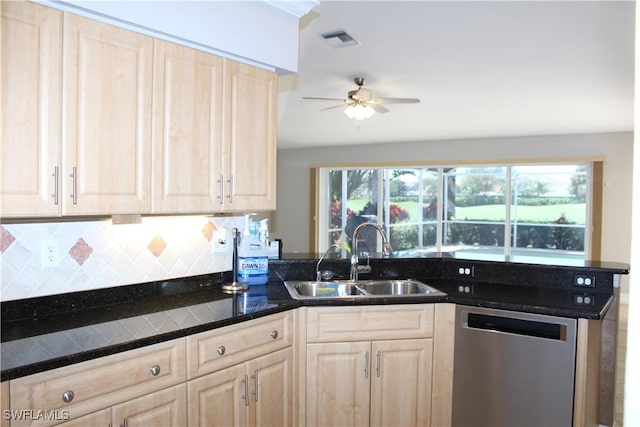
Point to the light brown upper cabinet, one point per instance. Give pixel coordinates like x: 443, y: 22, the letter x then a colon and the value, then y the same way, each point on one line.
x: 249, y: 132
x: 76, y: 127
x: 187, y: 130
x: 107, y: 82
x: 214, y: 133
x: 95, y: 123
x: 30, y: 50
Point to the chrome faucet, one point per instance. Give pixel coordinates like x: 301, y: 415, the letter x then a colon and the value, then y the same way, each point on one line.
x: 386, y: 249
x: 325, y: 275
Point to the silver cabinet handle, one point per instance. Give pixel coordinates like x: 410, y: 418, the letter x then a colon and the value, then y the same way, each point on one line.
x: 68, y: 396
x: 56, y: 177
x: 74, y: 185
x: 274, y: 334
x: 366, y: 365
x: 155, y: 370
x: 378, y: 364
x: 230, y: 195
x: 221, y: 186
x: 221, y: 350
x: 245, y: 381
x: 255, y: 385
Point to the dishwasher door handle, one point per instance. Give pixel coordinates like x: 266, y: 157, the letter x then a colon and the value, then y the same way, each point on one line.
x: 511, y: 325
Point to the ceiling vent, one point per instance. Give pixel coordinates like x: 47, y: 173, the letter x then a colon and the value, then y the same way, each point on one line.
x: 338, y: 39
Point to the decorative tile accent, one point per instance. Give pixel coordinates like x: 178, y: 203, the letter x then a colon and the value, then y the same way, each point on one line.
x: 6, y: 239
x: 208, y: 230
x: 157, y: 245
x: 81, y: 251
x: 117, y: 254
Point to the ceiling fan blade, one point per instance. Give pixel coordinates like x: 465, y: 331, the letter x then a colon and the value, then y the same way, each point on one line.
x: 378, y: 108
x: 332, y: 107
x: 323, y: 99
x: 396, y: 100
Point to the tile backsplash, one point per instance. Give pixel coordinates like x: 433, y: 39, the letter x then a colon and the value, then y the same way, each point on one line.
x: 47, y: 258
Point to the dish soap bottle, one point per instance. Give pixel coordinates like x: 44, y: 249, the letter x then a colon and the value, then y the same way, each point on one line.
x: 253, y: 262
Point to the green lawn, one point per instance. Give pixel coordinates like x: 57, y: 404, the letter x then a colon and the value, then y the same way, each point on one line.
x: 575, y: 213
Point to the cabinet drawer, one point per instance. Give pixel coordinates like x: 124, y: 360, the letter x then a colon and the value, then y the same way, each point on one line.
x: 214, y: 350
x: 100, y: 383
x: 326, y: 324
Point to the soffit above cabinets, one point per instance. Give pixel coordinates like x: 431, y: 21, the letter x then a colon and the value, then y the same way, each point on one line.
x: 259, y: 33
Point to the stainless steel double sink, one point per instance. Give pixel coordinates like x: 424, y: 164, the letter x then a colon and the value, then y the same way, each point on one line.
x: 381, y: 288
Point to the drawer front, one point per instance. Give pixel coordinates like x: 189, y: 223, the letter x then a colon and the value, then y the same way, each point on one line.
x: 326, y: 324
x: 89, y: 386
x: 214, y: 350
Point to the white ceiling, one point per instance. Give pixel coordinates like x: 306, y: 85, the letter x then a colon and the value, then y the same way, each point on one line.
x: 480, y: 68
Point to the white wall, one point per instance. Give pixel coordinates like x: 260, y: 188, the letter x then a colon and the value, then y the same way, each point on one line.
x: 632, y: 373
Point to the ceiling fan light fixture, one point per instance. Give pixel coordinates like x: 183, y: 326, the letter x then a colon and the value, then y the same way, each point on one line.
x: 359, y: 111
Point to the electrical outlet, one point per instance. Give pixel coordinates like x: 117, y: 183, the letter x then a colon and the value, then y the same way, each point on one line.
x: 465, y: 289
x: 49, y: 254
x: 220, y: 241
x: 584, y: 299
x: 468, y: 271
x: 584, y: 281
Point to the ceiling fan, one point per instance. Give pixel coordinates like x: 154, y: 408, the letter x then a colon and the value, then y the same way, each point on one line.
x: 360, y: 103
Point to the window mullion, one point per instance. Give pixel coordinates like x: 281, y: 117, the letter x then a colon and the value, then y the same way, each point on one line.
x: 441, y: 202
x: 507, y: 212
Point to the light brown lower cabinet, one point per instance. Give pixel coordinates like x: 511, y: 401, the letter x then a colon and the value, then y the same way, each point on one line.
x: 138, y: 386
x: 369, y: 365
x: 4, y: 403
x: 165, y: 408
x: 258, y: 392
x: 376, y: 383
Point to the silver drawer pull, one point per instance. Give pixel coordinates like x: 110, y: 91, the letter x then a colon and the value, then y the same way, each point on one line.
x: 68, y: 396
x: 221, y: 350
x: 155, y: 370
x: 274, y: 334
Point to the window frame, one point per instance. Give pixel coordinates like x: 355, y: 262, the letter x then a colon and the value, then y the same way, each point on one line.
x: 593, y: 198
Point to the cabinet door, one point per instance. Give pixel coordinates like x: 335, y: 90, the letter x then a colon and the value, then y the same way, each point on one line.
x: 218, y: 399
x: 250, y: 132
x: 401, y: 383
x: 107, y: 76
x: 96, y: 419
x: 162, y: 408
x: 338, y: 384
x: 30, y: 50
x: 271, y: 389
x: 5, y: 403
x: 187, y: 130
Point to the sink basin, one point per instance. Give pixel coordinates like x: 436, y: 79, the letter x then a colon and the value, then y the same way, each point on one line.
x: 359, y: 289
x: 322, y: 289
x: 394, y: 287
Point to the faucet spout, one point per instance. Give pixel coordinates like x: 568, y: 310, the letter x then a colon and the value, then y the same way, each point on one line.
x: 319, y: 274
x: 356, y: 268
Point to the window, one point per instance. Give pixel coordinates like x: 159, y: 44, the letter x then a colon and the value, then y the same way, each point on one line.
x: 525, y: 212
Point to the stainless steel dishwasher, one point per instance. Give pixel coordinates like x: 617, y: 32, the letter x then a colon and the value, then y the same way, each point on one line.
x: 513, y: 369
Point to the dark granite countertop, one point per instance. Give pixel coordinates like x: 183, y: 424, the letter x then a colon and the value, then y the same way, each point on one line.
x: 174, y: 309
x: 49, y: 332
